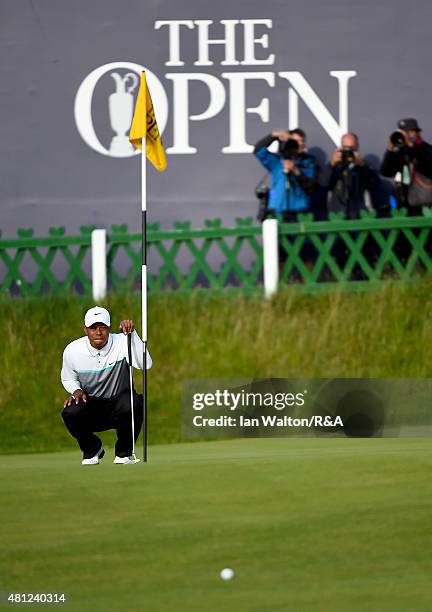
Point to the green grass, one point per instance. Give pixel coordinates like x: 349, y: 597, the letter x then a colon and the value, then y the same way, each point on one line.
x: 380, y: 333
x: 307, y: 524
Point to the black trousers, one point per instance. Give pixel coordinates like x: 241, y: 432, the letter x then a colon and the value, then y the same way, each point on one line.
x: 98, y: 414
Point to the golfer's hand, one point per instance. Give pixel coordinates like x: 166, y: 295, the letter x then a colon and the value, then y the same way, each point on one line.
x: 127, y: 326
x: 76, y: 397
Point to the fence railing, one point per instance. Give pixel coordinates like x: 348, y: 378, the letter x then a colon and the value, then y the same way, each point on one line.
x: 30, y: 266
x: 369, y: 250
x: 313, y: 254
x: 183, y: 259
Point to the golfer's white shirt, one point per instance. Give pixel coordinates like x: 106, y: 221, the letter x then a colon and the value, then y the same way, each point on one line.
x: 104, y: 372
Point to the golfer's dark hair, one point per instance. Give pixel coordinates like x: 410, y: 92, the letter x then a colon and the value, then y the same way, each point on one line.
x: 300, y: 132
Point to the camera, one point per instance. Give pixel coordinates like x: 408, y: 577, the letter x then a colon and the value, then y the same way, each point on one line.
x: 398, y: 139
x: 262, y: 193
x: 289, y: 149
x: 348, y: 155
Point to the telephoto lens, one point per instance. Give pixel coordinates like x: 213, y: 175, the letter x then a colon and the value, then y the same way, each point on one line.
x: 289, y: 149
x: 397, y: 139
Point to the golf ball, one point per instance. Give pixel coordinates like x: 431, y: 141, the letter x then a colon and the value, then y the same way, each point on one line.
x: 227, y: 573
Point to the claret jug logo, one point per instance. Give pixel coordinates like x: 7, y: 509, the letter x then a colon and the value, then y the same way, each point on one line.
x: 120, y: 106
x: 241, y: 89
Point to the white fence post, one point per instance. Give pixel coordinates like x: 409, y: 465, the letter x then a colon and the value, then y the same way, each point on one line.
x: 99, y: 268
x: 270, y: 256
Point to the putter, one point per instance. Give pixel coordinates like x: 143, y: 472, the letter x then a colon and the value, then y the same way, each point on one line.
x: 129, y: 342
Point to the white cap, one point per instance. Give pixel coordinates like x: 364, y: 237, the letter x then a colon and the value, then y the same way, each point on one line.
x: 97, y: 315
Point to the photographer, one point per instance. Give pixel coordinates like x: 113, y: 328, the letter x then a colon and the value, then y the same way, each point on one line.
x: 294, y: 174
x: 350, y: 178
x: 408, y: 159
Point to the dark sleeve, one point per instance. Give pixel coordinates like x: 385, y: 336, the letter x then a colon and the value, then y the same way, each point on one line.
x: 308, y: 177
x: 264, y: 143
x: 370, y: 178
x: 334, y: 176
x: 392, y: 162
x: 423, y: 156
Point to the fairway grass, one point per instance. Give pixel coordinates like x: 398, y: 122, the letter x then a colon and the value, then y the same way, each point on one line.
x: 306, y: 524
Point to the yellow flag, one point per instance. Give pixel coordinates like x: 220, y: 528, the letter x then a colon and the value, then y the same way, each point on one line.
x: 144, y: 125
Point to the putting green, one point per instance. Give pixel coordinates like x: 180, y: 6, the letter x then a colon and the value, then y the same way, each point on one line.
x: 306, y: 524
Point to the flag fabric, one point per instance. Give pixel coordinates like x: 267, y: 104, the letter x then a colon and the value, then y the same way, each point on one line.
x: 144, y: 125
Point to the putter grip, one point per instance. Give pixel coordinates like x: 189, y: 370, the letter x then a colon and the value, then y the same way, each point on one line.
x: 129, y: 343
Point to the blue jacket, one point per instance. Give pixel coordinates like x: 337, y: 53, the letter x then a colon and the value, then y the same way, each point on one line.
x: 289, y: 192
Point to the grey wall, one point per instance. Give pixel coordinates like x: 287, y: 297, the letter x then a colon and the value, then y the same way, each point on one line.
x: 50, y: 176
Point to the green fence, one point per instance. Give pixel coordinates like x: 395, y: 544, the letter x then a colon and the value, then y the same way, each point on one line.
x: 314, y: 254
x: 28, y: 264
x: 366, y: 251
x: 181, y: 259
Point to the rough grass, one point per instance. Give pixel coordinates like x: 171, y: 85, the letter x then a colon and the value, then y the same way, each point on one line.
x: 381, y: 333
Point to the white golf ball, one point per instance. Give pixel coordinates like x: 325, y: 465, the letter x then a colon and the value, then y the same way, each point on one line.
x: 227, y: 573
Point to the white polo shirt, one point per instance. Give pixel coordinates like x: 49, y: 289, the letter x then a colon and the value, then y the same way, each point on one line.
x: 101, y: 372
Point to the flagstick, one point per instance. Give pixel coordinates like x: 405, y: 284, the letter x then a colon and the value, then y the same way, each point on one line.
x: 144, y: 289
x: 143, y: 122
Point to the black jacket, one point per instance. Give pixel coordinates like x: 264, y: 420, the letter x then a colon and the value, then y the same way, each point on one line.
x: 348, y: 185
x: 420, y: 156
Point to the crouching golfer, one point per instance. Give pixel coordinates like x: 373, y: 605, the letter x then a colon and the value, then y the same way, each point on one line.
x: 95, y: 373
